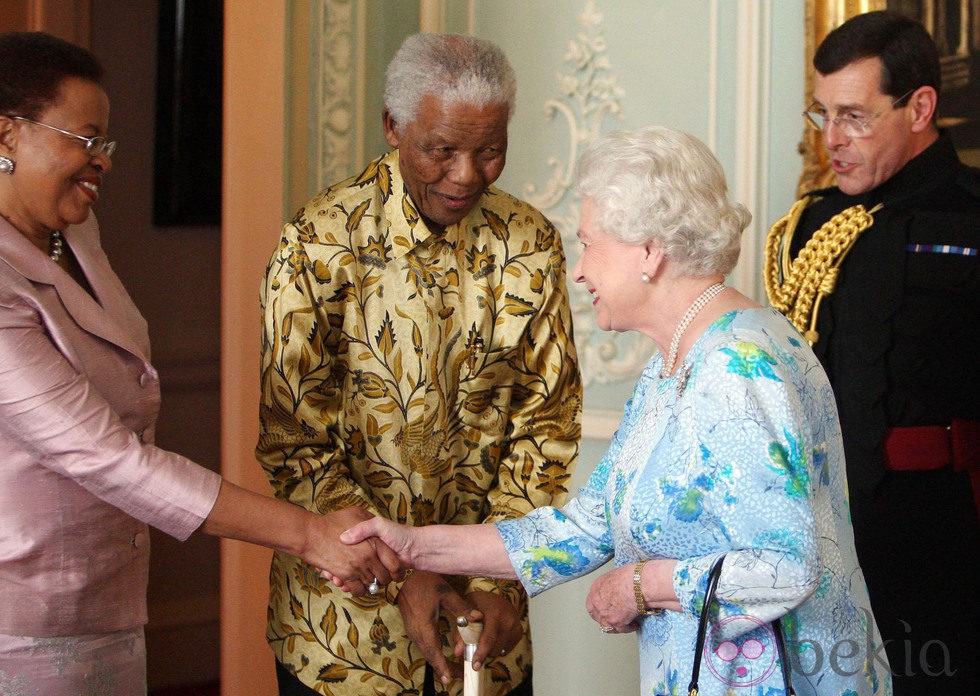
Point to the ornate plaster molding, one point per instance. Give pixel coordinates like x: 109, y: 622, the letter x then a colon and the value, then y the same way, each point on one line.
x: 589, y: 92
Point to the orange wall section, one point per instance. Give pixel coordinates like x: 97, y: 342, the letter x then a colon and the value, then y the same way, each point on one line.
x: 252, y: 215
x: 68, y: 19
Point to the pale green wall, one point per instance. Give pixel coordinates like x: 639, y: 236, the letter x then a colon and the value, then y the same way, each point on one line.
x: 786, y: 105
x: 662, y: 57
x: 387, y: 24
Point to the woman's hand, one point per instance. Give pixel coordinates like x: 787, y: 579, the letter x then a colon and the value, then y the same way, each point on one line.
x: 398, y: 537
x: 612, y: 599
x: 239, y: 513
x: 448, y: 549
x: 611, y: 602
x: 352, y: 567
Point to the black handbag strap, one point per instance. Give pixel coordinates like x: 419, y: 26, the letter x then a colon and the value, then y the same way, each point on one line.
x: 777, y: 632
x: 709, y: 597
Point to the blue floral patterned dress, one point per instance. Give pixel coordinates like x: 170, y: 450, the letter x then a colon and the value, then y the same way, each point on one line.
x: 738, y: 453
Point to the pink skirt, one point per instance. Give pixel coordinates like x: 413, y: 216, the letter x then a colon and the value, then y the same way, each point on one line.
x: 105, y: 664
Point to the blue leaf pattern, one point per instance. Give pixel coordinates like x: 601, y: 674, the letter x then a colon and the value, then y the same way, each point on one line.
x: 745, y: 461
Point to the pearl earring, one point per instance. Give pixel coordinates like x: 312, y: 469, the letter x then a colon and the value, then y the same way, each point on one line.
x: 6, y: 165
x: 645, y: 278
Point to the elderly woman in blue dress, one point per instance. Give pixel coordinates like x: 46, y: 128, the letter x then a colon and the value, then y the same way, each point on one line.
x: 729, y: 446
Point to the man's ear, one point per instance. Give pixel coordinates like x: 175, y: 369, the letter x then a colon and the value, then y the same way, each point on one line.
x: 390, y: 127
x: 922, y: 106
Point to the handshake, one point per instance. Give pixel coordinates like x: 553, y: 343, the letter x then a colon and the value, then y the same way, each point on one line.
x: 361, y: 553
x: 358, y: 552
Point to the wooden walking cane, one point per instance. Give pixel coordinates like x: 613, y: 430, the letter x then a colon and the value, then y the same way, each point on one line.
x: 470, y: 632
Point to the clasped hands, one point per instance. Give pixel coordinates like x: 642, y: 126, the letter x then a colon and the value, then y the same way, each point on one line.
x: 352, y: 567
x: 423, y: 597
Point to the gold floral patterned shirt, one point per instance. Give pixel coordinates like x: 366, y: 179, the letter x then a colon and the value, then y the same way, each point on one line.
x: 430, y: 378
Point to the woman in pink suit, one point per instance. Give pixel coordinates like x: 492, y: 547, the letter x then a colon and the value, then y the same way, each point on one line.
x: 80, y: 478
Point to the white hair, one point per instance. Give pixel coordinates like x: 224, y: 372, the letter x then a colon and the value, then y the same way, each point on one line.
x: 453, y: 68
x: 662, y: 185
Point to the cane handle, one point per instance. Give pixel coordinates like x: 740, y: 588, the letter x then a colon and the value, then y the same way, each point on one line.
x: 470, y: 632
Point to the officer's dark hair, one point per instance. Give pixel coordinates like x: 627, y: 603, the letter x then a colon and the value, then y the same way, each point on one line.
x: 908, y: 54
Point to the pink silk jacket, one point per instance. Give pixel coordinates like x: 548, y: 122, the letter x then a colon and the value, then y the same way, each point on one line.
x: 80, y: 477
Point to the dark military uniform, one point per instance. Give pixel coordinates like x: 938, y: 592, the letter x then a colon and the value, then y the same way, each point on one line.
x: 899, y: 338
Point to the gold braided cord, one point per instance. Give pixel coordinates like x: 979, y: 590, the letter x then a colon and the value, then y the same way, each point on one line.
x: 797, y: 287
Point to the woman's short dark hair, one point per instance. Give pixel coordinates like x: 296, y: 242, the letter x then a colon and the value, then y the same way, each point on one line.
x: 908, y: 54
x: 32, y: 67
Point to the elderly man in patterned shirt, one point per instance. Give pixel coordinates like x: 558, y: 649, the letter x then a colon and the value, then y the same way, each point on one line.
x: 417, y: 364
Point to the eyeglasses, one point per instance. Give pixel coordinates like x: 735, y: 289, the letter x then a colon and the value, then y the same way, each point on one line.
x: 853, y: 124
x: 93, y: 146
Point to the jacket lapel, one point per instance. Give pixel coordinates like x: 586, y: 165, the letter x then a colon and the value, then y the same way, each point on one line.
x: 113, y: 317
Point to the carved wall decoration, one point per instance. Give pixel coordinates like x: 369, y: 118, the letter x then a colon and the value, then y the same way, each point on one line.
x: 589, y: 92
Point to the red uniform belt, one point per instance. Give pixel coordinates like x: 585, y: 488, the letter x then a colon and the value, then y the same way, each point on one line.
x: 928, y: 447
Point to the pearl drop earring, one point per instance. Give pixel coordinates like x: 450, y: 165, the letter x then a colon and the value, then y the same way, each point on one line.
x: 645, y: 278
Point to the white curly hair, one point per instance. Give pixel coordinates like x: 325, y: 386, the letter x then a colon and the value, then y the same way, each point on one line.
x: 663, y: 185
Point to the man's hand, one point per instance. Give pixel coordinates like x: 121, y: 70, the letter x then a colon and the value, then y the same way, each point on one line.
x: 422, y: 598
x: 502, y: 628
x: 350, y: 567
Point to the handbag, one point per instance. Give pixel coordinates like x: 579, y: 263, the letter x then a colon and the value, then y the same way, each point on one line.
x: 777, y: 632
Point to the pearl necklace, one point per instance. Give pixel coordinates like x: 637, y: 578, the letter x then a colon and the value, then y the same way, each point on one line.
x: 56, y: 247
x: 699, y: 303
